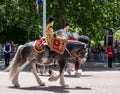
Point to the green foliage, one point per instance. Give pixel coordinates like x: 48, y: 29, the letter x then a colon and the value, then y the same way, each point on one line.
x: 117, y: 35
x: 20, y: 23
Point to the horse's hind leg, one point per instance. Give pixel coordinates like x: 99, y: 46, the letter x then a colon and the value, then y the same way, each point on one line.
x: 34, y: 71
x: 14, y: 79
x: 50, y: 70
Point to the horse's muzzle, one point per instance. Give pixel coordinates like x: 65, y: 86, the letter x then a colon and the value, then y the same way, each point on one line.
x: 82, y: 60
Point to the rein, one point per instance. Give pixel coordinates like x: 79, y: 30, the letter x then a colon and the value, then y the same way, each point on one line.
x: 74, y: 58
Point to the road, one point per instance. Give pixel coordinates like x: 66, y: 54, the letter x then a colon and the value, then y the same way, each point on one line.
x: 92, y: 81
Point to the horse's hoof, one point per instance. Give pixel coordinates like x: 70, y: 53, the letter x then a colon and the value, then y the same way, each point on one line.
x: 52, y: 78
x: 68, y: 71
x: 42, y: 84
x: 78, y: 73
x: 64, y: 85
x: 17, y: 85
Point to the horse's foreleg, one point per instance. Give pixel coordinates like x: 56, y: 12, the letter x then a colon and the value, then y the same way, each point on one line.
x: 62, y: 68
x: 34, y: 71
x: 54, y: 76
x: 62, y: 81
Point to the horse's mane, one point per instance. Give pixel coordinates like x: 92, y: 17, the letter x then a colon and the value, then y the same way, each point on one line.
x: 84, y: 39
x: 73, y: 44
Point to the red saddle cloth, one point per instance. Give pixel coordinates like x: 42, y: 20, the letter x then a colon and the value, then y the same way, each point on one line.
x: 39, y: 45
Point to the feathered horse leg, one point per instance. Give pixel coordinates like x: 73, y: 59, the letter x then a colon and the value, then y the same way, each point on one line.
x: 62, y: 68
x: 62, y: 81
x: 55, y: 77
x: 16, y: 67
x: 34, y: 71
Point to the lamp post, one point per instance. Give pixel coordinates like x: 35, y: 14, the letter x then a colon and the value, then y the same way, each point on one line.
x: 109, y: 36
x: 44, y: 16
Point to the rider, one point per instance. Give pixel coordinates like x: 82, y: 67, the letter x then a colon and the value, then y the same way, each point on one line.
x: 77, y: 65
x: 50, y: 31
x: 49, y: 36
x: 66, y: 28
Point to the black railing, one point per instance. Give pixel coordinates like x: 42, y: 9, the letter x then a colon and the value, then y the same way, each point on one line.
x: 2, y: 55
x: 102, y: 57
x: 92, y: 57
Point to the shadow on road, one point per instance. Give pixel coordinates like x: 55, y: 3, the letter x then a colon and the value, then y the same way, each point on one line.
x: 73, y: 76
x: 55, y: 89
x: 101, y: 69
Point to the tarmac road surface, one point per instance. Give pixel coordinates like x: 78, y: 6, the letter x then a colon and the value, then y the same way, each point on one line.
x: 92, y: 81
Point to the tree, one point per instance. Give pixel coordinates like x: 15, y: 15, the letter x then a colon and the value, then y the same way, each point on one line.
x: 88, y: 17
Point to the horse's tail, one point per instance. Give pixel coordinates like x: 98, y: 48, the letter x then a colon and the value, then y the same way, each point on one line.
x: 15, y: 63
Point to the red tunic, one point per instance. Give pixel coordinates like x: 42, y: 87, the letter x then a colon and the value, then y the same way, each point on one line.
x: 109, y: 52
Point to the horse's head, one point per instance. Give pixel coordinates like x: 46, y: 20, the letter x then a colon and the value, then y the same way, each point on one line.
x: 84, y: 52
x: 77, y: 50
x: 83, y: 55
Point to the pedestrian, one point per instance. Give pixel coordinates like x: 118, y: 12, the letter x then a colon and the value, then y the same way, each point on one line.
x: 110, y: 54
x: 7, y: 51
x: 102, y: 53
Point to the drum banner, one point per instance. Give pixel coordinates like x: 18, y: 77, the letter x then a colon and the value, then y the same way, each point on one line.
x: 58, y: 45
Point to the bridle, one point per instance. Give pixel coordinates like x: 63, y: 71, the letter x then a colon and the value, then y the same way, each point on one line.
x: 75, y: 57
